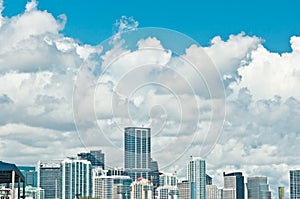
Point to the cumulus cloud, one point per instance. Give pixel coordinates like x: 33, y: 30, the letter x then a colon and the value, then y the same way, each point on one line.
x: 229, y: 55
x: 38, y: 66
x: 268, y: 74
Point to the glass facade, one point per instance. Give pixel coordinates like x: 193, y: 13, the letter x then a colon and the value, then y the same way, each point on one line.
x: 76, y: 179
x: 30, y: 175
x: 196, y: 171
x: 96, y: 157
x: 295, y: 184
x: 233, y: 186
x: 258, y: 188
x: 49, y: 178
x: 137, y: 152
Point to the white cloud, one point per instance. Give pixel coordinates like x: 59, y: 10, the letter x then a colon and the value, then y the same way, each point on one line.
x: 268, y: 74
x: 31, y: 5
x: 227, y: 55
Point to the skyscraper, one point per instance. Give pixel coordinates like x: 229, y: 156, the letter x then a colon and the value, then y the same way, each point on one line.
x: 196, y: 174
x: 141, y: 189
x: 96, y: 157
x: 208, y: 180
x: 184, y: 189
x: 280, y: 192
x: 137, y: 152
x: 258, y: 188
x: 76, y: 178
x: 295, y: 184
x: 154, y: 173
x: 167, y: 192
x: 213, y: 192
x: 111, y: 187
x: 49, y: 178
x: 233, y: 186
x: 30, y: 175
x: 168, y: 179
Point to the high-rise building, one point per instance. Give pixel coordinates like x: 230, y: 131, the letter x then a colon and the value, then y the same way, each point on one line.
x: 76, y: 178
x: 208, y: 180
x: 196, y: 174
x: 96, y: 157
x: 213, y: 192
x: 34, y: 192
x: 295, y: 184
x: 111, y: 187
x: 30, y: 175
x: 168, y: 179
x: 141, y: 188
x: 137, y: 152
x: 258, y: 188
x: 48, y: 172
x: 233, y: 186
x: 280, y: 192
x: 154, y: 173
x: 184, y: 189
x: 167, y: 192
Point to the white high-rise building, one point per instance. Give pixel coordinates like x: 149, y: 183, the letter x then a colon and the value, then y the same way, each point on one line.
x: 167, y: 192
x: 213, y: 192
x: 76, y: 178
x: 141, y: 188
x: 196, y: 174
x: 168, y: 179
x: 111, y: 184
x: 184, y: 189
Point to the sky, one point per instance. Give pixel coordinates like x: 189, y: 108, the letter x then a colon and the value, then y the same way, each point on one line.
x: 213, y: 79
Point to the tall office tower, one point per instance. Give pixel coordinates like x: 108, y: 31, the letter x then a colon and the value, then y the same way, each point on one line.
x: 208, y: 180
x: 213, y: 192
x: 154, y: 173
x: 96, y: 157
x: 295, y: 184
x: 76, y: 178
x: 258, y: 188
x: 141, y: 188
x: 137, y: 152
x: 48, y: 172
x: 167, y: 192
x: 30, y: 175
x: 184, y: 189
x: 196, y: 174
x: 111, y: 187
x: 168, y: 179
x: 281, y: 192
x: 233, y: 186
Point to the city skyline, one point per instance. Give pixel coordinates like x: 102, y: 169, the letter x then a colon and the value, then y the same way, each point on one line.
x: 234, y: 184
x: 211, y: 79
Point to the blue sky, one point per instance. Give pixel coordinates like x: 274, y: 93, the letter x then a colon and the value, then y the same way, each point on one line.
x: 91, y: 22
